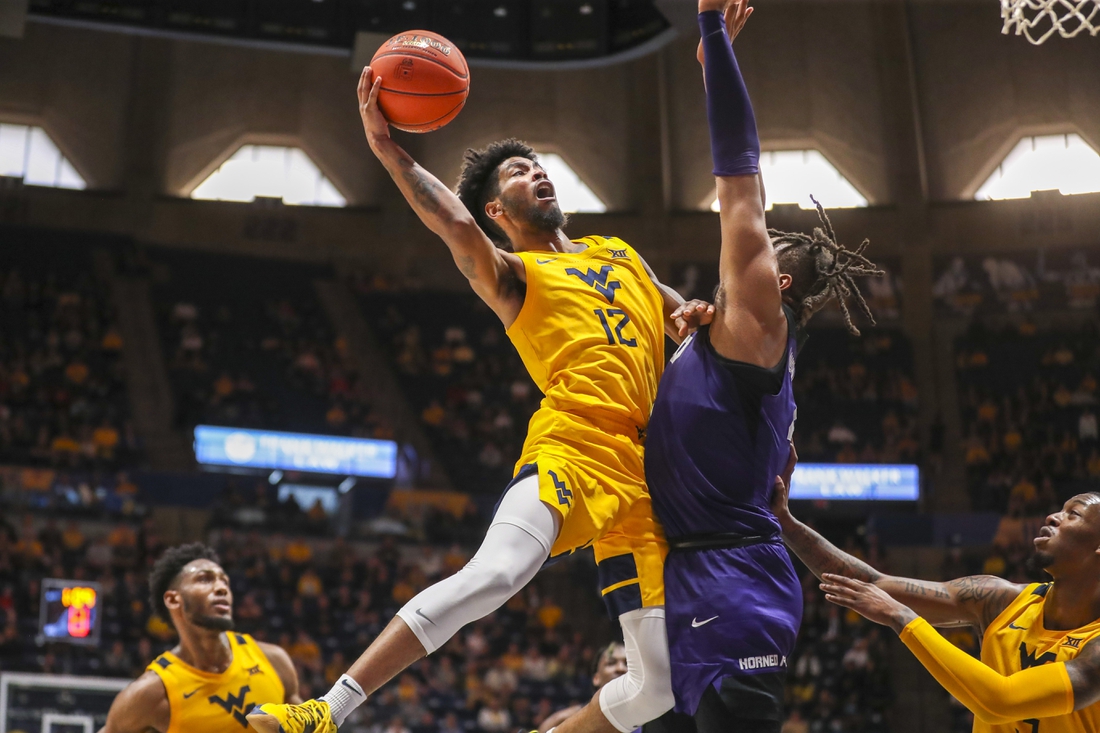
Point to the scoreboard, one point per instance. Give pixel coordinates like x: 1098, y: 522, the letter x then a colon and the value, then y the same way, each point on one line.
x: 70, y: 612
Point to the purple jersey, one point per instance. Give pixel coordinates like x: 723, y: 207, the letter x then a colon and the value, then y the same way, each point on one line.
x: 718, y: 436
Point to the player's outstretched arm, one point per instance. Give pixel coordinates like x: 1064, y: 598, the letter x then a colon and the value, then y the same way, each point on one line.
x: 970, y: 601
x: 284, y: 667
x: 489, y: 270
x: 750, y: 325
x: 1039, y: 692
x: 141, y: 706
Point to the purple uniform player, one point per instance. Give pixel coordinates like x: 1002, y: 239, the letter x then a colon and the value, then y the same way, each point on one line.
x: 720, y: 430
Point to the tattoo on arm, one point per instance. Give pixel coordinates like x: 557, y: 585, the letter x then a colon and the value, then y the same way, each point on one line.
x: 822, y: 556
x: 927, y: 590
x: 467, y: 267
x: 423, y: 187
x: 1084, y: 675
x: 986, y: 596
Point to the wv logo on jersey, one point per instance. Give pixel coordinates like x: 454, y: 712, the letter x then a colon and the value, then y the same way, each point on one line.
x: 565, y: 496
x: 598, y: 280
x: 1028, y: 660
x: 235, y: 705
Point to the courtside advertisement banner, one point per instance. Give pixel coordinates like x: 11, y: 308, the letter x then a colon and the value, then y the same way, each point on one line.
x: 858, y: 482
x: 269, y: 449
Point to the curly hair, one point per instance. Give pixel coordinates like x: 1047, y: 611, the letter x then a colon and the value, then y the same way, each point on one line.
x: 821, y: 270
x: 167, y: 570
x: 478, y: 181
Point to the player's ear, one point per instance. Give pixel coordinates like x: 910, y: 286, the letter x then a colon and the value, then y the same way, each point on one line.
x: 494, y: 209
x: 784, y: 281
x: 172, y: 599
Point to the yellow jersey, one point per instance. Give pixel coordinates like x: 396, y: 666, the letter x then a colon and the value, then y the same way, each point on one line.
x: 1017, y: 640
x: 218, y: 703
x: 591, y: 331
x: 591, y: 334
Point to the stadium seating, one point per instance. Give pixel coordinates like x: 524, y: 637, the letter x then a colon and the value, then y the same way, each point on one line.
x: 264, y: 356
x: 62, y: 391
x: 1028, y: 400
x: 462, y: 375
x: 857, y: 399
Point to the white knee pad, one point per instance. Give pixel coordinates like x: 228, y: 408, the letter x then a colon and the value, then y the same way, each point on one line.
x: 644, y: 693
x: 515, y: 547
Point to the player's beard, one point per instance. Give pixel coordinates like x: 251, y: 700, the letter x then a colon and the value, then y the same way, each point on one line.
x: 214, y: 623
x: 548, y: 219
x: 1037, y: 564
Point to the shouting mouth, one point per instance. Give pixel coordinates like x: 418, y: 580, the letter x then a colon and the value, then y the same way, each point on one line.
x: 544, y: 191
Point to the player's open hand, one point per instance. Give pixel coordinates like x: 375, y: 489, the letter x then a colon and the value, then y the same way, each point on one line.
x: 691, y: 315
x: 736, y: 12
x: 374, y: 124
x: 781, y: 490
x: 869, y: 601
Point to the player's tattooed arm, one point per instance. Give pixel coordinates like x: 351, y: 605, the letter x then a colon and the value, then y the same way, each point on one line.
x: 975, y: 600
x: 141, y: 707
x: 491, y: 272
x: 1084, y: 675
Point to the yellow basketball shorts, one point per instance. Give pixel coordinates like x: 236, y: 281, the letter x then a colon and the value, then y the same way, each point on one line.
x: 596, y: 480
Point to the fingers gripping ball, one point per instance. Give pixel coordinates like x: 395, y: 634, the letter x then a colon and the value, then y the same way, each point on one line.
x: 425, y: 81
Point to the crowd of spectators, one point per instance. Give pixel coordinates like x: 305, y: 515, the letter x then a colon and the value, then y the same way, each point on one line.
x: 263, y: 357
x: 62, y: 394
x: 463, y: 376
x: 325, y: 601
x: 857, y: 398
x: 1029, y: 415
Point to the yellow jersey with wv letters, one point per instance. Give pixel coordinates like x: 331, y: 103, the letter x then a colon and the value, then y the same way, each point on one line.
x: 591, y: 331
x: 1017, y: 640
x: 591, y: 334
x: 218, y: 703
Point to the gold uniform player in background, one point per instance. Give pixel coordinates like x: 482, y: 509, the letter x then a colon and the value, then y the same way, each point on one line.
x: 1040, y: 665
x: 214, y: 676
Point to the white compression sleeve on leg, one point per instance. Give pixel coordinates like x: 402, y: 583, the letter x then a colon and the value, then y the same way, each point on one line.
x: 515, y: 547
x: 644, y: 693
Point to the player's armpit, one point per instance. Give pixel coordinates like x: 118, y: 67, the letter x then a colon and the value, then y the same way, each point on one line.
x: 284, y: 667
x: 141, y: 706
x: 973, y: 600
x: 1039, y: 692
x: 1084, y: 675
x: 671, y: 302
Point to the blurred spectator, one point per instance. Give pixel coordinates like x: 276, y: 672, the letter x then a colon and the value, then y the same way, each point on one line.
x: 62, y: 389
x: 1028, y: 398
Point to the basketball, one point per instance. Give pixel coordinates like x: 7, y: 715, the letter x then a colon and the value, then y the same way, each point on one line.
x: 425, y: 80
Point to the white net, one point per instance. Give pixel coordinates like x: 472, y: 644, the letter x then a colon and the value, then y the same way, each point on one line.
x: 1038, y: 20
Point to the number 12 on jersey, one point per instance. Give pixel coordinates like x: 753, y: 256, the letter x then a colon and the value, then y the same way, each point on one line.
x: 605, y: 316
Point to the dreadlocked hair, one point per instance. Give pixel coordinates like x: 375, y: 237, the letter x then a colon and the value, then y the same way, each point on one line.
x: 478, y: 182
x: 167, y: 569
x: 821, y: 270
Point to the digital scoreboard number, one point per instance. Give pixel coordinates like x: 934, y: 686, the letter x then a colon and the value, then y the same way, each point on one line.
x: 70, y: 612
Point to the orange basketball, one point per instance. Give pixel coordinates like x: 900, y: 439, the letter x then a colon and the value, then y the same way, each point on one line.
x: 425, y: 80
